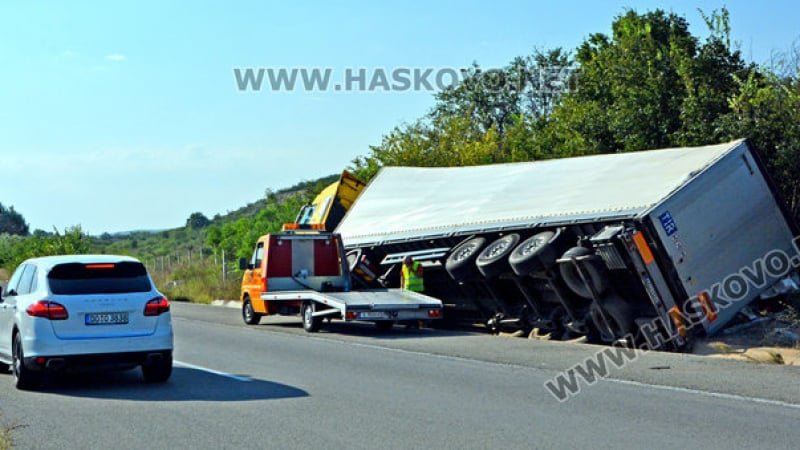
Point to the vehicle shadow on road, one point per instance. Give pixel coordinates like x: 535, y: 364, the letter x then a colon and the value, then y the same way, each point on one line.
x: 186, y: 384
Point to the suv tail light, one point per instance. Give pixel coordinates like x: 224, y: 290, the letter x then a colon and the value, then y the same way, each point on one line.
x: 48, y: 310
x: 156, y: 306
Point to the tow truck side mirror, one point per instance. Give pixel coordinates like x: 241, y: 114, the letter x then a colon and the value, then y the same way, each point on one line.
x: 242, y: 264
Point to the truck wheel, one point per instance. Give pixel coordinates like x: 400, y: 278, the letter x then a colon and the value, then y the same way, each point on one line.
x: 493, y: 260
x: 362, y: 272
x: 527, y: 257
x: 248, y: 313
x: 591, y: 267
x: 352, y: 258
x: 460, y: 264
x: 24, y: 378
x: 310, y: 323
x: 613, y: 318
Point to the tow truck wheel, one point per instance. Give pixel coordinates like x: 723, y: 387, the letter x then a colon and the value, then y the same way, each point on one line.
x: 248, y: 313
x: 310, y: 323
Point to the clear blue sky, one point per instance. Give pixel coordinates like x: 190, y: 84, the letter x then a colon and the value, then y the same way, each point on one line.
x: 125, y: 115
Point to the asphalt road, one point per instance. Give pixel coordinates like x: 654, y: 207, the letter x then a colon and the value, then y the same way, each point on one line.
x: 350, y: 386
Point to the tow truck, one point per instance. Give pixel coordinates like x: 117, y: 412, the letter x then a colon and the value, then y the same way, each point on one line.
x: 303, y: 270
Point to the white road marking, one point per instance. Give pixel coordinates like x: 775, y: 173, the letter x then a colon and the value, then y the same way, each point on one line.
x: 212, y: 371
x: 744, y: 398
x: 663, y: 387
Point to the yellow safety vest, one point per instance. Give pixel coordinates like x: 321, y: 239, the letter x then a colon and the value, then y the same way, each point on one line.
x: 412, y: 281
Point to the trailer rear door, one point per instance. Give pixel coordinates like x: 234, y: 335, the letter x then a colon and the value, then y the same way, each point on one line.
x: 725, y: 235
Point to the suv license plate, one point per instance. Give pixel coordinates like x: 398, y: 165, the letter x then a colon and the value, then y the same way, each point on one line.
x: 116, y: 318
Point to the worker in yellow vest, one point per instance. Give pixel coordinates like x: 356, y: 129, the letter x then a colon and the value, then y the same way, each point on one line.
x: 411, y: 280
x: 411, y: 275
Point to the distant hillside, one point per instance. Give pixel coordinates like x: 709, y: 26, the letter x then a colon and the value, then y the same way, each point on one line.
x: 235, y: 228
x: 252, y: 209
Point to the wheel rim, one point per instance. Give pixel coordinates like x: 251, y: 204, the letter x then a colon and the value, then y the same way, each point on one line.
x: 497, y: 249
x: 307, y: 315
x: 464, y: 252
x: 531, y: 246
x: 248, y: 310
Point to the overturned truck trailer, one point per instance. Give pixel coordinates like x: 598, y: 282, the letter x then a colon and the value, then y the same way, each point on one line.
x: 647, y: 248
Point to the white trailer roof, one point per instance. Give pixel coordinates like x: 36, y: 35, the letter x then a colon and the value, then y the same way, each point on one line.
x: 414, y: 202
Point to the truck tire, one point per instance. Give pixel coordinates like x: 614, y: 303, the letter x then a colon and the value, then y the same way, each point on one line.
x: 591, y: 267
x: 534, y: 254
x: 362, y: 272
x: 493, y: 260
x: 250, y: 316
x: 352, y: 258
x: 460, y: 263
x: 310, y: 323
x: 613, y: 318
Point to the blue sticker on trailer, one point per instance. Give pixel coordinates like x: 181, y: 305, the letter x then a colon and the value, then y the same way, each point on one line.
x: 668, y: 223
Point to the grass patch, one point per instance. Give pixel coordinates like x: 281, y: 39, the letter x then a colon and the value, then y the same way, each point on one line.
x: 198, y: 283
x: 6, y: 442
x: 6, y: 439
x: 720, y: 347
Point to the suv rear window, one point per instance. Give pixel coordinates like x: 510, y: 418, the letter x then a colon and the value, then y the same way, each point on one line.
x: 98, y: 278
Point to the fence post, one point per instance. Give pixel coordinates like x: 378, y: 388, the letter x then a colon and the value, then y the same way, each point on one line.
x: 224, y: 269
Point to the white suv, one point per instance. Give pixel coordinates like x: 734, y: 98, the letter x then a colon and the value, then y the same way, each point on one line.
x: 83, y: 311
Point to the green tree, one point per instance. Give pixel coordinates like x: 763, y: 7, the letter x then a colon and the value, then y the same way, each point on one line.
x: 491, y: 99
x: 766, y: 109
x: 651, y: 84
x: 489, y: 117
x: 197, y: 221
x: 12, y: 222
x: 72, y: 241
x: 213, y: 236
x: 16, y: 249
